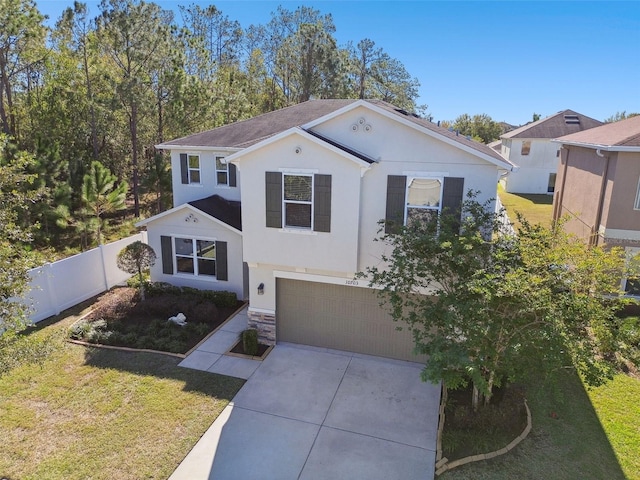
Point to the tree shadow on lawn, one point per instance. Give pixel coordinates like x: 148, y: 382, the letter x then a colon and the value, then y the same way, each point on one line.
x: 536, y: 198
x: 164, y: 366
x: 567, y: 440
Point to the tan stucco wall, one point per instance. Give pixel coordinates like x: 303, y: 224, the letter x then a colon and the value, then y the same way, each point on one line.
x: 620, y: 202
x: 577, y: 194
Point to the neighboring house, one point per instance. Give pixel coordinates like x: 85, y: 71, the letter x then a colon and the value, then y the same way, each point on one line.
x: 598, y: 186
x: 313, y: 181
x: 530, y: 148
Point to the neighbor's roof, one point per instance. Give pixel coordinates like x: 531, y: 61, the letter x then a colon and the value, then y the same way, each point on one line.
x: 623, y: 135
x: 554, y: 126
x: 226, y: 211
x: 248, y: 132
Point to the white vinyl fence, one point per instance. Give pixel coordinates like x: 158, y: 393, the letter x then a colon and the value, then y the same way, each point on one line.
x: 505, y: 224
x: 60, y: 285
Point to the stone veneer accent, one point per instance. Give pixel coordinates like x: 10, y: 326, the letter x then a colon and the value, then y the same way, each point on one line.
x: 265, y: 323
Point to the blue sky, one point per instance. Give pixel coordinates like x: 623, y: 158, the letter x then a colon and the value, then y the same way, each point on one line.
x: 507, y: 59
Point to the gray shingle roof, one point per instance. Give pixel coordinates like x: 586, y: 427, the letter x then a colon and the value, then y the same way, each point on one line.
x: 554, y: 126
x: 224, y: 210
x: 245, y: 133
x: 625, y: 133
x: 248, y: 132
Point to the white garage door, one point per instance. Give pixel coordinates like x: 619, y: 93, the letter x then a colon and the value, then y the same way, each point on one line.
x: 339, y: 317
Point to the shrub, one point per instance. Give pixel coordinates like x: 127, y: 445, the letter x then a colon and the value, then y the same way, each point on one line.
x: 80, y: 330
x: 250, y: 341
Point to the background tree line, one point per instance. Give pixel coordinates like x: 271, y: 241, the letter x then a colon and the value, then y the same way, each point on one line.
x: 105, y: 87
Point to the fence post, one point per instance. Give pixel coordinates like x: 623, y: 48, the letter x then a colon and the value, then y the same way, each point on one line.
x: 104, y: 267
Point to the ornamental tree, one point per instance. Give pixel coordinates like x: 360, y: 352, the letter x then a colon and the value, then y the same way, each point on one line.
x: 488, y: 308
x: 134, y: 259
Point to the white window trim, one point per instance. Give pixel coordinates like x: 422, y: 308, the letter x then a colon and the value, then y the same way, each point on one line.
x: 190, y: 169
x: 636, y: 205
x: 293, y: 228
x: 225, y: 170
x: 193, y: 256
x: 406, y: 194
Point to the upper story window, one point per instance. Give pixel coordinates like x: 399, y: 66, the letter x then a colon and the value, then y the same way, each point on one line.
x: 190, y: 168
x: 420, y: 198
x: 526, y: 147
x: 298, y: 201
x: 636, y: 206
x: 424, y: 196
x: 222, y: 172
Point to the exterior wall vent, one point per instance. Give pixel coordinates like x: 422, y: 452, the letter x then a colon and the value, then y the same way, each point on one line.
x: 571, y: 120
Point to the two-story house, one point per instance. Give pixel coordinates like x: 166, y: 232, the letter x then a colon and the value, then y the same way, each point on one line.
x: 284, y: 209
x: 599, y: 186
x: 530, y: 148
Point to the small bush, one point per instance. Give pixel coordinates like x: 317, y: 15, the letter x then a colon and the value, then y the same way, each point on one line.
x: 250, y: 341
x: 80, y: 330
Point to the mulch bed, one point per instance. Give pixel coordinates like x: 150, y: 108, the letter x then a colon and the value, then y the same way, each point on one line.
x: 121, y: 318
x: 492, y: 427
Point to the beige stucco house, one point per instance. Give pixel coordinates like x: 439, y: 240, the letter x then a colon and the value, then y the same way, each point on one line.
x: 284, y: 208
x: 598, y: 186
x: 530, y: 147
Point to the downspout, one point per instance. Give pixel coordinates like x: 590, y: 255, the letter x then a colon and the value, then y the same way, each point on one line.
x: 603, y: 187
x: 558, y: 205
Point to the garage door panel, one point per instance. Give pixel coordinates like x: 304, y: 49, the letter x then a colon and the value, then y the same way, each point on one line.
x: 338, y: 317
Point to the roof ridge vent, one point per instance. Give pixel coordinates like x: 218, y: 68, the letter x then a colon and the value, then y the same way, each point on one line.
x: 572, y: 119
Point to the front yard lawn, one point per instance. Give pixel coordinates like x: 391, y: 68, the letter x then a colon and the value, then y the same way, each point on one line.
x: 104, y: 414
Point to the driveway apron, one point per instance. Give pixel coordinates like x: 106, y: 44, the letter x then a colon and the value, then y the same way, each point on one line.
x: 310, y: 413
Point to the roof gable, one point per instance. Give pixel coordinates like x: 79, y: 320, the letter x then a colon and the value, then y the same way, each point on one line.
x: 426, y: 127
x: 562, y: 123
x: 360, y: 159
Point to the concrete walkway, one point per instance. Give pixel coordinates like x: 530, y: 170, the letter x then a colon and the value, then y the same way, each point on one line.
x: 310, y: 413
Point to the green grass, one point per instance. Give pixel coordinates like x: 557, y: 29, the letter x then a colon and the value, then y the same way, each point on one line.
x: 104, y: 414
x: 568, y: 439
x: 617, y: 405
x: 535, y: 208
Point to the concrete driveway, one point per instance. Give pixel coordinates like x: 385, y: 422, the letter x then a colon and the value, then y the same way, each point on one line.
x: 309, y: 413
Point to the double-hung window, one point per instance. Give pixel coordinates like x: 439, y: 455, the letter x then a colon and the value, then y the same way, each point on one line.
x: 424, y: 197
x: 222, y: 172
x: 636, y: 205
x: 421, y: 198
x: 298, y: 201
x: 196, y: 257
x: 190, y: 168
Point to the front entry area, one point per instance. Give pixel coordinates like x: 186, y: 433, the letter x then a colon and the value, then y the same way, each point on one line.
x: 339, y: 317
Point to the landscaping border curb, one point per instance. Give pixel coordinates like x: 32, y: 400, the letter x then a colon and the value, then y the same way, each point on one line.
x: 442, y: 465
x: 147, y: 350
